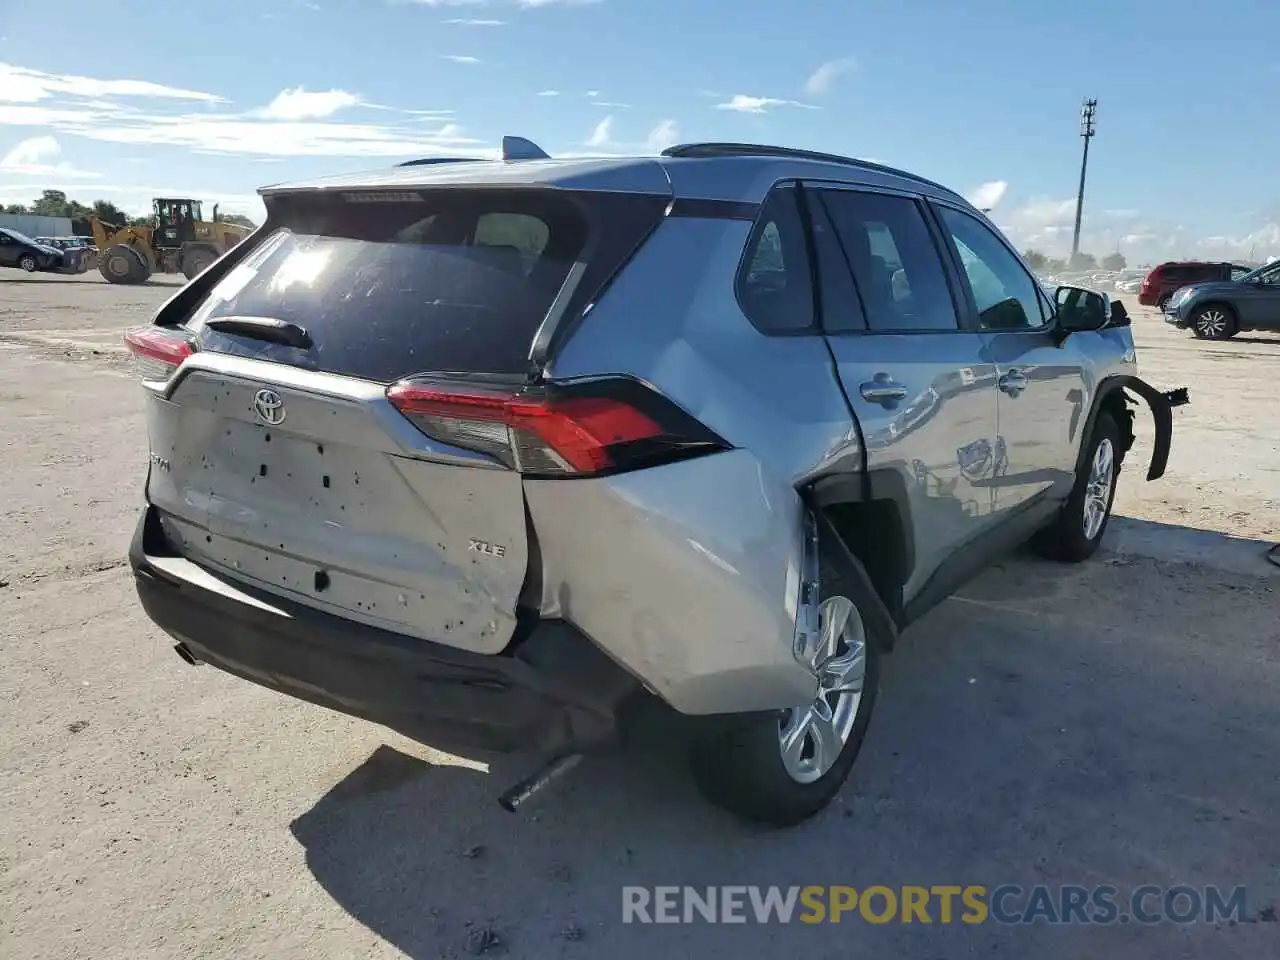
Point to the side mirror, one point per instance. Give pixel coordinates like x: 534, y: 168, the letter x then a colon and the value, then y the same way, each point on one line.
x: 1081, y: 310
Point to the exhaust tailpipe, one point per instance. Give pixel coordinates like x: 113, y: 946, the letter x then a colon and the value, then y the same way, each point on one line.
x: 531, y: 784
x: 182, y: 650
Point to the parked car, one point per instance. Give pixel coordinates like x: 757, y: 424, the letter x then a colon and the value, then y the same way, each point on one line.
x: 79, y: 253
x: 1166, y: 279
x: 19, y: 250
x: 493, y: 452
x: 1220, y: 309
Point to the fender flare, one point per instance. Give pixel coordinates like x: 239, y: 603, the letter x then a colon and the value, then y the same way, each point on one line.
x: 1161, y: 406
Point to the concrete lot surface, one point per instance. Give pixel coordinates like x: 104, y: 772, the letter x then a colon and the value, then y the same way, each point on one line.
x: 1112, y: 723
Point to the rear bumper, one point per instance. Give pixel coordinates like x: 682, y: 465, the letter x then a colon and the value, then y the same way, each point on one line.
x: 555, y: 691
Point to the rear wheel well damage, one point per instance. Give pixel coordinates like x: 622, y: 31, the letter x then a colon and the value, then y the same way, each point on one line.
x: 868, y: 540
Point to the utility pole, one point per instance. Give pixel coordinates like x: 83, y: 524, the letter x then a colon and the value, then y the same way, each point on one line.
x: 1088, y: 111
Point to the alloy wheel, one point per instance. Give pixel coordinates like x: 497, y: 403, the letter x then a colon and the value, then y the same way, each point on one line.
x: 812, y: 736
x: 1211, y: 323
x: 1097, y: 495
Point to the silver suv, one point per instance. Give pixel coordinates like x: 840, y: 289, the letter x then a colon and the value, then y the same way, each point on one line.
x: 490, y: 452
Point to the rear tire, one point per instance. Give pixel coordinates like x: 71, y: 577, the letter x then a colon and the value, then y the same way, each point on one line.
x: 1214, y: 322
x: 28, y: 263
x: 1078, y: 530
x: 738, y: 760
x: 122, y: 264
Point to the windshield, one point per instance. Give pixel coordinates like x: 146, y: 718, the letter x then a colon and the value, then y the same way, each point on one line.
x: 1259, y: 273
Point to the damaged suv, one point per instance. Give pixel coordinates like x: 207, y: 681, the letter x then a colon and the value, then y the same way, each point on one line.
x: 490, y: 451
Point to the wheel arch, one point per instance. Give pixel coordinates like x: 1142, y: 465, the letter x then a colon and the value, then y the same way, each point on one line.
x: 867, y: 517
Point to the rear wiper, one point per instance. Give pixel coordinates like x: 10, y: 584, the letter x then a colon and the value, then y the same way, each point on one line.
x: 263, y: 328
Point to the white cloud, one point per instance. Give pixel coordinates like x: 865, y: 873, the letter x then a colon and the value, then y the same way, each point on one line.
x: 249, y: 134
x: 468, y: 22
x: 611, y: 103
x: 548, y: 93
x: 457, y: 59
x: 989, y: 194
x: 663, y: 135
x: 31, y: 151
x: 299, y: 104
x: 31, y: 158
x: 742, y: 103
x: 820, y: 80
x: 1048, y: 224
x: 296, y: 123
x: 21, y: 85
x: 592, y: 94
x: 600, y: 135
x: 526, y: 4
x: 1260, y: 244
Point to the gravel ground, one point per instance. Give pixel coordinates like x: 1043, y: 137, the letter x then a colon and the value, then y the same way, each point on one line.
x: 1114, y: 723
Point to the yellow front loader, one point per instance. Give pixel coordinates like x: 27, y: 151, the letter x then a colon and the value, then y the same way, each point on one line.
x: 177, y: 240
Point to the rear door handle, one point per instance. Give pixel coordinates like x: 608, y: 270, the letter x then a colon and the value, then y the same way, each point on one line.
x: 1013, y: 382
x: 882, y: 389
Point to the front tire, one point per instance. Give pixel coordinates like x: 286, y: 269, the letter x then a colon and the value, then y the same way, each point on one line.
x: 122, y: 264
x: 1077, y: 532
x: 782, y: 767
x: 1214, y: 322
x: 28, y: 263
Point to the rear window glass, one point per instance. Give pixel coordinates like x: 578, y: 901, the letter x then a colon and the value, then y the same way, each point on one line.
x: 457, y: 281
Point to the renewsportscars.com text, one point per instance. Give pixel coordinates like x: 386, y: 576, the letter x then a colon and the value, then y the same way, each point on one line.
x: 942, y: 903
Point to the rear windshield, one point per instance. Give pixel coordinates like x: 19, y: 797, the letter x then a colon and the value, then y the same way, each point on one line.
x: 452, y: 281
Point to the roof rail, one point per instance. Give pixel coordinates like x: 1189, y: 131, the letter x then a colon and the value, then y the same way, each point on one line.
x: 518, y: 148
x: 791, y: 153
x: 427, y: 160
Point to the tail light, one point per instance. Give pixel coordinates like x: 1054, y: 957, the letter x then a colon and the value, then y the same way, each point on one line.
x: 587, y: 429
x: 157, y: 352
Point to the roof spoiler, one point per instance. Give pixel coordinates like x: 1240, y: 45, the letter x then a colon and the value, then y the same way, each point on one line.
x: 513, y: 148
x: 429, y: 160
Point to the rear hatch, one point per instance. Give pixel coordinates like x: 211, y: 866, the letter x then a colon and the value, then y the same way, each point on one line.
x: 278, y: 458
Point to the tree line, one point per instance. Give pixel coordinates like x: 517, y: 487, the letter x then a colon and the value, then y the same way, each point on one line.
x: 1042, y: 263
x: 54, y: 203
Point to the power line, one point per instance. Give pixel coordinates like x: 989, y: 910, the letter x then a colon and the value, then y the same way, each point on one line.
x: 1088, y: 111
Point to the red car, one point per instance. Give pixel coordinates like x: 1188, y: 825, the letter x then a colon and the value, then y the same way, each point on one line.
x: 1163, y: 281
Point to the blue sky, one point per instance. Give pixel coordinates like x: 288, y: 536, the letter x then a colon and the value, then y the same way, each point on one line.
x: 137, y: 98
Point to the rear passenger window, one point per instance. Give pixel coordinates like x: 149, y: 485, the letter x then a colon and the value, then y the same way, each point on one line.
x: 775, y: 283
x: 1005, y: 294
x: 894, y: 261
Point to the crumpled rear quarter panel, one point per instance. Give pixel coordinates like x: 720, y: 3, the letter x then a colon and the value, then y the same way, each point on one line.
x: 687, y: 574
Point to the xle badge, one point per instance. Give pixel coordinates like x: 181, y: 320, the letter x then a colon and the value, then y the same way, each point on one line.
x: 488, y: 549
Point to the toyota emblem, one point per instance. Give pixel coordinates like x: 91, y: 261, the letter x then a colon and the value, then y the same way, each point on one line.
x: 269, y: 406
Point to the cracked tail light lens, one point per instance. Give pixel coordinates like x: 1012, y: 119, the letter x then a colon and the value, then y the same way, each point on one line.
x: 605, y: 426
x: 157, y: 353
